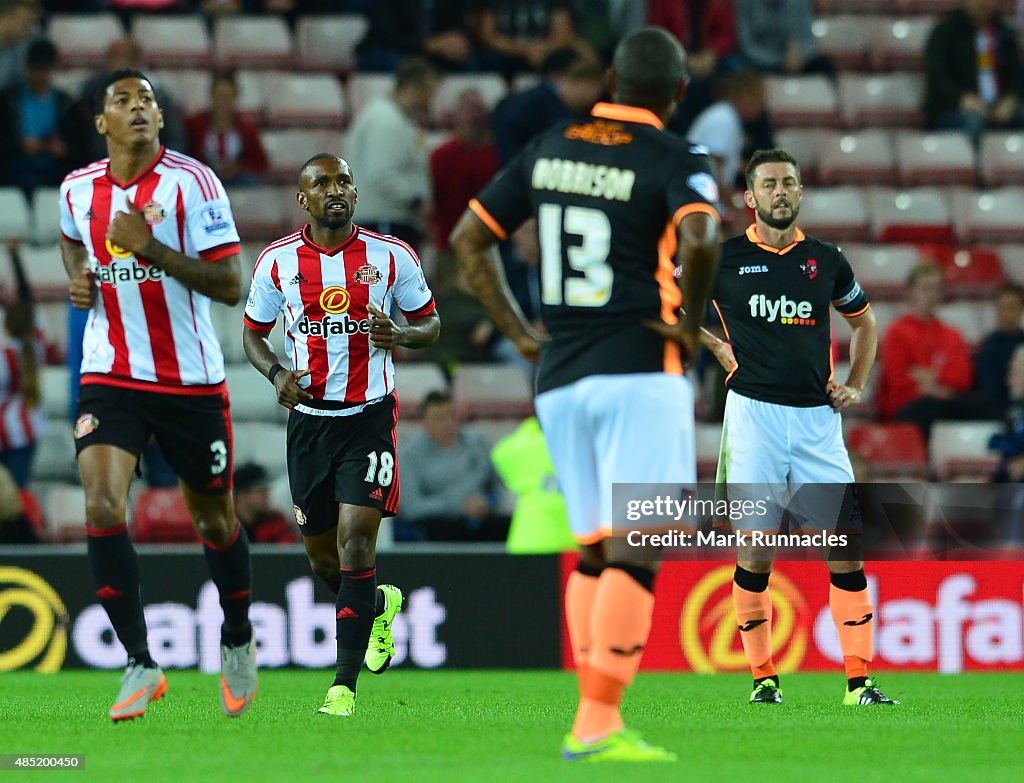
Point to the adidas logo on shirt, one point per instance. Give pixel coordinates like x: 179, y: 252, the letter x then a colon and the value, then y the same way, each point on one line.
x: 297, y: 279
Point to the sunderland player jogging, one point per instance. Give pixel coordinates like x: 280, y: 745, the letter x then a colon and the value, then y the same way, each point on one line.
x: 618, y: 201
x: 337, y: 284
x: 782, y: 435
x: 149, y: 241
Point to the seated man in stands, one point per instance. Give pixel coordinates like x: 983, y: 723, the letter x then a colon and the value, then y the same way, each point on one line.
x: 261, y: 522
x: 992, y: 360
x: 225, y: 139
x: 925, y: 363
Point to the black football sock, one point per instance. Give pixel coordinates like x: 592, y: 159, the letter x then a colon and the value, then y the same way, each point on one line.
x: 333, y: 584
x: 232, y: 573
x: 115, y: 572
x: 355, y: 612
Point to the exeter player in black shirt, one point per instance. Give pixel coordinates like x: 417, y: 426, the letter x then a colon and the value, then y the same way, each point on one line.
x: 617, y: 201
x: 781, y: 430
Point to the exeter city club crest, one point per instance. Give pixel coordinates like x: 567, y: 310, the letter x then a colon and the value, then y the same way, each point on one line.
x: 810, y: 269
x: 368, y: 274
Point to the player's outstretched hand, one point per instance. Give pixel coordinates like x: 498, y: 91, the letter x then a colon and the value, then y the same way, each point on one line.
x: 289, y: 393
x: 843, y: 397
x: 677, y: 333
x: 82, y: 291
x: 384, y: 333
x: 129, y: 230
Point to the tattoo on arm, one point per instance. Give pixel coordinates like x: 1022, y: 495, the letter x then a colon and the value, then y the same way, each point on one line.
x: 75, y: 257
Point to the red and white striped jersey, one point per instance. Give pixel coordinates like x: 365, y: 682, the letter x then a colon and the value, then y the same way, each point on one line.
x: 19, y: 424
x: 324, y: 294
x: 147, y: 330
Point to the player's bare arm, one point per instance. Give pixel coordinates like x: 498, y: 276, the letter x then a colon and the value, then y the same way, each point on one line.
x: 699, y: 248
x: 473, y: 245
x: 82, y: 289
x: 261, y: 355
x: 220, y: 280
x: 863, y: 347
x: 721, y: 350
x: 418, y: 333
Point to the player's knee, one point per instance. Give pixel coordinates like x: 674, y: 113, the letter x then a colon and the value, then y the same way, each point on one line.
x: 324, y: 567
x: 359, y: 551
x: 216, y: 530
x: 104, y: 510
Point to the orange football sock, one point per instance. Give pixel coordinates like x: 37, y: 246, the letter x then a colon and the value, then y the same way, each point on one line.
x: 754, y: 616
x: 620, y: 622
x: 853, y: 615
x: 579, y: 601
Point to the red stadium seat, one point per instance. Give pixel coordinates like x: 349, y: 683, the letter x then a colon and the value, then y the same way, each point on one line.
x: 899, y: 43
x: 968, y: 272
x: 934, y: 158
x: 252, y: 41
x: 844, y: 39
x: 304, y: 100
x: 989, y: 216
x: 1001, y: 158
x: 865, y: 157
x: 805, y: 144
x: 834, y: 214
x: 161, y: 516
x: 960, y: 448
x: 802, y: 100
x: 890, y: 449
x: 912, y: 215
x: 882, y: 269
x: 33, y: 511
x: 883, y: 100
x: 328, y: 42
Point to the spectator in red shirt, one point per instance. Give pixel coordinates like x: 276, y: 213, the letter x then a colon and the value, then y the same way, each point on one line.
x: 262, y: 523
x: 925, y: 363
x: 225, y: 139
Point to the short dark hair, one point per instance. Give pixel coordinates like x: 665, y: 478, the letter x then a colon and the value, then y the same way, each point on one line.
x: 414, y: 71
x: 760, y: 157
x: 224, y: 76
x: 649, y: 64
x: 250, y: 476
x: 99, y: 97
x: 314, y: 159
x: 435, y: 397
x: 41, y: 54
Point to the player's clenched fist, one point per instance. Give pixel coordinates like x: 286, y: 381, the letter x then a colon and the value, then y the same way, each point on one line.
x: 384, y: 333
x: 82, y: 290
x: 128, y: 230
x: 289, y: 393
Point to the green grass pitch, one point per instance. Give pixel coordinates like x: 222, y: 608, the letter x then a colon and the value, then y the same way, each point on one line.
x: 501, y: 727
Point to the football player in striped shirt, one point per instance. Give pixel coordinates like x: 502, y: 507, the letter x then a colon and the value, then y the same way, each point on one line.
x: 337, y: 284
x: 149, y: 243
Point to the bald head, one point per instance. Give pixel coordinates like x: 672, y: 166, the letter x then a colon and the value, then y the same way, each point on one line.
x: 649, y: 70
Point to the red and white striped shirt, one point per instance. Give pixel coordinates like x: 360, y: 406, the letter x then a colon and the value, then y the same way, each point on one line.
x: 324, y: 294
x: 19, y: 424
x: 147, y: 330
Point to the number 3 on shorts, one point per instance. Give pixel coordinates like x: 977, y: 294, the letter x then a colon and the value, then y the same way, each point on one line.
x: 220, y: 457
x: 387, y: 468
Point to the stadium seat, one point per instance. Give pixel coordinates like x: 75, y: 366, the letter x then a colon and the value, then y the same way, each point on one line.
x: 889, y: 100
x: 934, y: 158
x: 304, y: 100
x: 974, y: 320
x: 227, y: 323
x: 898, y: 44
x: 70, y: 80
x: 989, y: 216
x: 161, y: 516
x: 709, y: 444
x: 414, y: 381
x: 188, y: 86
x: 493, y: 430
x: 912, y: 215
x: 850, y: 6
x: 491, y: 86
x: 805, y: 144
x: 46, y: 216
x: 885, y: 313
x: 802, y: 100
x: 252, y: 398
x: 242, y: 41
x: 55, y: 382
x: 43, y: 268
x: 844, y: 39
x: 1001, y: 158
x: 64, y: 504
x: 55, y: 452
x: 262, y: 443
x: 890, y: 449
x: 1012, y: 259
x: 960, y: 448
x: 882, y: 269
x: 364, y: 87
x: 259, y: 211
x: 288, y: 149
x: 969, y: 272
x: 834, y: 214
x: 173, y: 40
x: 15, y: 220
x: 83, y: 39
x: 52, y: 318
x: 492, y: 390
x: 328, y: 42
x: 865, y: 157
